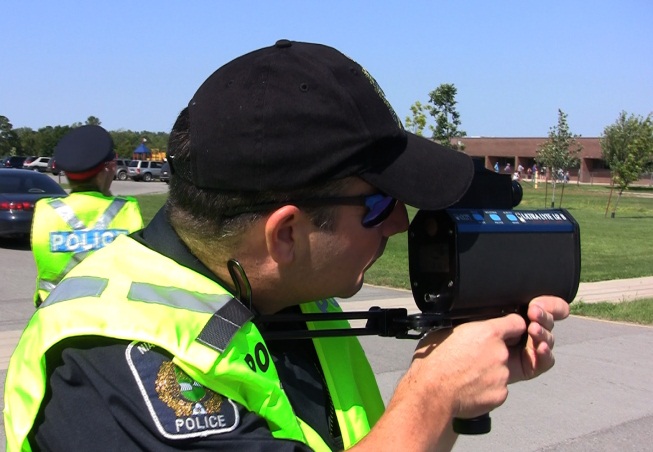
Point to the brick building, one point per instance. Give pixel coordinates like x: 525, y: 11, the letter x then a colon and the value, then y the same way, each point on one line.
x: 522, y: 151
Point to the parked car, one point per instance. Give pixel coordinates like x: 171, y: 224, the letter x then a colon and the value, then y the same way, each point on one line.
x: 122, y: 165
x: 19, y: 191
x: 52, y: 167
x: 15, y: 161
x: 146, y: 170
x: 30, y: 159
x: 39, y: 164
x: 165, y: 173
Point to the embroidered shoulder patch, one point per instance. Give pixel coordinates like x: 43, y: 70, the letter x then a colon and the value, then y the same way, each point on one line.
x: 180, y: 407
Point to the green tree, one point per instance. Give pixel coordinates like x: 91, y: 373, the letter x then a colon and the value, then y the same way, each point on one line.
x: 43, y: 141
x: 627, y: 147
x: 156, y: 140
x: 93, y: 121
x: 46, y: 139
x: 560, y: 152
x: 126, y: 141
x: 417, y: 122
x: 27, y: 138
x: 442, y: 107
x: 9, y: 140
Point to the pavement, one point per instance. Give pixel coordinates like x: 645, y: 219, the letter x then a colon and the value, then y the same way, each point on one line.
x: 598, y: 397
x: 125, y: 187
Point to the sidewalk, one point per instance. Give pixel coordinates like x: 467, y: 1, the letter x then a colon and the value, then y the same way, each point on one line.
x: 609, y: 291
x: 616, y: 291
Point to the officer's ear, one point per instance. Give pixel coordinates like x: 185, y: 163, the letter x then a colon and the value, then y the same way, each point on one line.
x: 283, y: 233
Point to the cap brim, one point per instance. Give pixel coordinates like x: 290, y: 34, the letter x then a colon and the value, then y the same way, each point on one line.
x: 426, y: 175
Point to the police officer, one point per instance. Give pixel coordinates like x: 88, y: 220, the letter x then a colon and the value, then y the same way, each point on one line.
x: 289, y: 173
x: 65, y: 230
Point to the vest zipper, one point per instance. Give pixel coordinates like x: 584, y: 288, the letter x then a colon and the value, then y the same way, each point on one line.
x: 334, y: 428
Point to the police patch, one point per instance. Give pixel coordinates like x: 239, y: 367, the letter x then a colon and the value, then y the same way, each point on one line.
x: 180, y: 407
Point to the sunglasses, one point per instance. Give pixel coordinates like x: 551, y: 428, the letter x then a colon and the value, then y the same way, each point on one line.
x: 379, y: 206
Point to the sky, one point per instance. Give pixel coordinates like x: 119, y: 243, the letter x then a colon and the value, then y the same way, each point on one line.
x: 136, y: 64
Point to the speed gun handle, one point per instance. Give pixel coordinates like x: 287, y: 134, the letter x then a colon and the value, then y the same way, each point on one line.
x: 473, y: 426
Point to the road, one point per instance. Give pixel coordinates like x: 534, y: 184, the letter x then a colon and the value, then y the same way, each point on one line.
x: 598, y: 397
x: 126, y: 187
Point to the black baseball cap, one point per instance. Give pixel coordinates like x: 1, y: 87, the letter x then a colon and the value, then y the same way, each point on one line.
x: 83, y: 150
x: 297, y: 114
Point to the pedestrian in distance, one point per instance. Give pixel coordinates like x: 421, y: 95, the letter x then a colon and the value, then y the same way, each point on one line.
x: 290, y: 171
x: 66, y: 230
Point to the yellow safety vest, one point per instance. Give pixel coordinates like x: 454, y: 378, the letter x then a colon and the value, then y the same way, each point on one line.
x: 152, y: 299
x: 66, y: 230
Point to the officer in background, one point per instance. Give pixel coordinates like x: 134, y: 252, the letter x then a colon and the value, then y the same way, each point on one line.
x: 65, y: 230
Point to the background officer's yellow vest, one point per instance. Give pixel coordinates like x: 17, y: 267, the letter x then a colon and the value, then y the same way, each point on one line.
x: 65, y: 230
x: 176, y: 315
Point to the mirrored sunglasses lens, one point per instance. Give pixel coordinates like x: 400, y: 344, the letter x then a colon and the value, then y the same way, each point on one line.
x: 381, y: 207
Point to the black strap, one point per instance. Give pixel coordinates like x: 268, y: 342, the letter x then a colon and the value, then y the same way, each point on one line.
x: 224, y: 325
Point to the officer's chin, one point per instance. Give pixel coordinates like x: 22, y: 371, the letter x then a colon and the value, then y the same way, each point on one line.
x: 354, y: 289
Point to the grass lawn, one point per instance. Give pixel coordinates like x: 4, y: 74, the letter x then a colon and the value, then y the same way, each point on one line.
x: 611, y: 248
x: 150, y: 205
x: 636, y: 311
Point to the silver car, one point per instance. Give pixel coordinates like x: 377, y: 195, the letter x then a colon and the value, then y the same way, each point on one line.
x: 122, y: 167
x: 145, y: 170
x: 39, y: 164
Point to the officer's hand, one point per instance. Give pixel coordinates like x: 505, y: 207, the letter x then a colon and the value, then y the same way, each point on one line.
x: 468, y: 366
x: 536, y: 357
x: 472, y: 364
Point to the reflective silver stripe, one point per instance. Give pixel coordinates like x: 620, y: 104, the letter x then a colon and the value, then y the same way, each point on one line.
x: 67, y: 214
x: 178, y: 298
x: 47, y: 285
x: 110, y: 213
x: 229, y: 314
x: 77, y: 287
x: 75, y: 259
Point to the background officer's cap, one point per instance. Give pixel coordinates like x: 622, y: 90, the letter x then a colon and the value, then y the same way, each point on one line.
x: 82, y: 152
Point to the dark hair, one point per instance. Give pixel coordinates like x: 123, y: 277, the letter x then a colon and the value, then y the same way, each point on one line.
x: 197, y: 212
